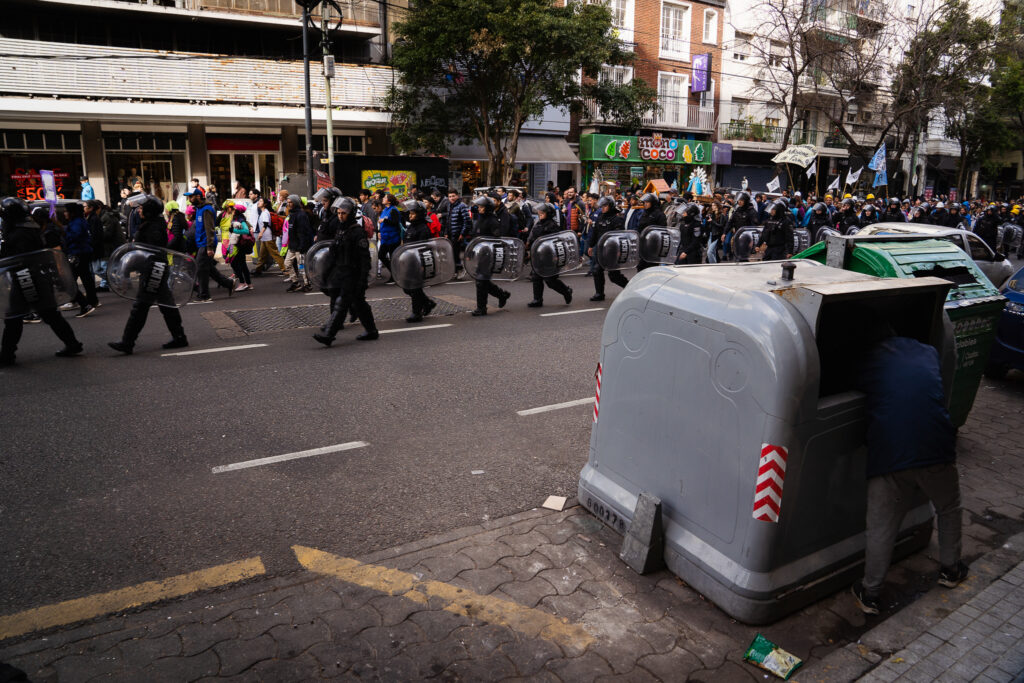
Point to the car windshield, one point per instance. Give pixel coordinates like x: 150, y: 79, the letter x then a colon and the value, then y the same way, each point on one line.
x: 1016, y: 283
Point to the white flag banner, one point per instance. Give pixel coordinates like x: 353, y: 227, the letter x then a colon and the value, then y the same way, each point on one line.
x: 835, y: 184
x: 813, y: 169
x: 773, y: 184
x: 852, y: 178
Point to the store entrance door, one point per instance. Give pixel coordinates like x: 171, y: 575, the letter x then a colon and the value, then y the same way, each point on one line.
x: 156, y: 178
x: 249, y: 169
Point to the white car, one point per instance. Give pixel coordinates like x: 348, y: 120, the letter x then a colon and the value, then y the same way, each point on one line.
x: 995, y: 266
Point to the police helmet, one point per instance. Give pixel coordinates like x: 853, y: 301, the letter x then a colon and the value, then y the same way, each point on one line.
x: 484, y: 203
x: 894, y: 202
x: 13, y: 209
x: 652, y: 198
x: 954, y: 207
x: 926, y: 206
x: 847, y: 203
x: 416, y: 207
x: 547, y: 209
x: 692, y: 211
x: 606, y: 201
x: 778, y: 208
x: 989, y: 208
x: 743, y: 197
x: 152, y: 207
x: 328, y: 193
x: 820, y: 207
x: 343, y: 204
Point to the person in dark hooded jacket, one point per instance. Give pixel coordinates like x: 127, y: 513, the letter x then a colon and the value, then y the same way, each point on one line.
x: 417, y: 230
x: 546, y: 225
x: 690, y: 233
x: 652, y: 215
x: 609, y: 219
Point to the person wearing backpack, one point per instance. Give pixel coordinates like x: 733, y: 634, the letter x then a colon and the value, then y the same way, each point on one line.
x: 265, y: 239
x: 300, y: 239
x: 205, y: 231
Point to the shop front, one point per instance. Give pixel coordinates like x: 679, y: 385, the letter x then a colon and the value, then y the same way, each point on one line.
x: 155, y: 159
x: 630, y: 162
x: 247, y: 161
x: 23, y: 153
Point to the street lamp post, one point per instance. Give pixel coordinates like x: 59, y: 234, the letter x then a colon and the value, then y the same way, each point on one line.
x: 307, y: 7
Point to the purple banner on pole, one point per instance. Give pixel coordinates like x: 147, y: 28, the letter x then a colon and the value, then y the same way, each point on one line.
x: 721, y: 154
x: 701, y: 81
x: 49, y: 190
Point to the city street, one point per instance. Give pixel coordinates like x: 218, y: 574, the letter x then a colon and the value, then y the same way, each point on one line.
x: 108, y: 479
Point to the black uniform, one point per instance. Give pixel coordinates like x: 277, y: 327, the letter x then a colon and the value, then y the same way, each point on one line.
x: 987, y: 228
x: 346, y: 282
x: 847, y: 221
x: 893, y: 215
x: 777, y: 234
x: 486, y: 225
x: 35, y: 295
x: 607, y: 222
x: 653, y: 216
x: 153, y: 289
x: 418, y: 231
x: 690, y: 231
x: 543, y: 227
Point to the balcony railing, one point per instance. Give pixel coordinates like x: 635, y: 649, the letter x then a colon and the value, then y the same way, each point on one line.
x: 152, y: 75
x: 773, y: 135
x: 673, y: 113
x: 363, y: 12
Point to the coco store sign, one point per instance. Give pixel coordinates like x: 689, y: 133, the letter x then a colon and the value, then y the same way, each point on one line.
x: 654, y: 148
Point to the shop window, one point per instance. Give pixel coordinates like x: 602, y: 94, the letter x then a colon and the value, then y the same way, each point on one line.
x: 34, y: 139
x: 19, y: 173
x: 72, y: 140
x: 14, y: 139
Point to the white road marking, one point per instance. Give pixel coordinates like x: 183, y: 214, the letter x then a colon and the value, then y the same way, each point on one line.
x: 556, y: 406
x: 216, y: 350
x: 582, y: 310
x: 414, y: 329
x: 290, y: 456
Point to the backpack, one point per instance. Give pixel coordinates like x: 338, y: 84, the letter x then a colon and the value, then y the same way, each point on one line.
x: 276, y: 224
x: 434, y: 223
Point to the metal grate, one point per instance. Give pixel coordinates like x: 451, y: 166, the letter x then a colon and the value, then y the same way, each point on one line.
x: 297, y: 317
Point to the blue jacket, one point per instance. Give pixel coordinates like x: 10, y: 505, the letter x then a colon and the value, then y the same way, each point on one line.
x: 390, y: 226
x: 908, y: 424
x: 458, y: 220
x: 87, y: 192
x: 206, y: 219
x: 76, y: 238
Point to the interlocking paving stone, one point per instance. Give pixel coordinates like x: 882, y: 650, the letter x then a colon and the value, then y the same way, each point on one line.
x: 296, y: 317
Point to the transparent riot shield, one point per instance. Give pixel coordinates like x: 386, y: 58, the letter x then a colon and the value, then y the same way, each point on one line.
x: 1009, y: 237
x: 823, y: 232
x: 35, y: 281
x: 801, y: 239
x: 744, y: 242
x: 555, y: 254
x: 318, y: 263
x: 659, y: 244
x: 494, y: 258
x: 421, y: 264
x: 618, y: 250
x: 142, y: 272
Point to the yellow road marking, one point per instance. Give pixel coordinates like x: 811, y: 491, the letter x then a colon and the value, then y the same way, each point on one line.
x: 91, y: 606
x: 528, y: 621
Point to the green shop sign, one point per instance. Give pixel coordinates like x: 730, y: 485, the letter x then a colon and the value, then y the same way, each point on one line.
x: 654, y: 149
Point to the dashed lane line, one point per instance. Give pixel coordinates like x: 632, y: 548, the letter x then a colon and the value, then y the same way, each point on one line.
x: 531, y: 622
x: 89, y: 607
x: 415, y: 329
x: 245, y: 464
x: 214, y: 350
x: 555, y: 406
x: 582, y: 310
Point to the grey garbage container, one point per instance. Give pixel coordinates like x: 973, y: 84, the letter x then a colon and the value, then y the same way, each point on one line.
x: 727, y: 391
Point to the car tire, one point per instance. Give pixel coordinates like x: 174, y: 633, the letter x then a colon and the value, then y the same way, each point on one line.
x: 996, y: 371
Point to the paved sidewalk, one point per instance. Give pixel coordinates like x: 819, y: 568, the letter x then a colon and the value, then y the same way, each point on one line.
x: 542, y: 595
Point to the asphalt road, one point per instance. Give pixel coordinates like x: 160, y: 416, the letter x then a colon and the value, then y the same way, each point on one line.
x: 106, y: 474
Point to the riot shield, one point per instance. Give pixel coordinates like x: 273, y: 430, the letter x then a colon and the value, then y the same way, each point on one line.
x: 494, y: 258
x: 318, y: 263
x: 1009, y: 237
x: 852, y: 230
x: 744, y: 242
x: 823, y: 232
x: 801, y: 239
x: 659, y: 244
x: 35, y: 281
x: 421, y: 264
x: 142, y: 272
x: 555, y: 254
x: 618, y: 250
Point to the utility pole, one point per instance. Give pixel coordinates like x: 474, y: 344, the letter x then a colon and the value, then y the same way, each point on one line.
x: 325, y: 43
x: 913, y: 181
x: 307, y: 5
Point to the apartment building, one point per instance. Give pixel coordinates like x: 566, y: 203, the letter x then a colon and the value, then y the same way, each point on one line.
x: 678, y: 49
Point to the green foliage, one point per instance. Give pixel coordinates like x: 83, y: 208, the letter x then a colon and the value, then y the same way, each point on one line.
x: 1008, y: 74
x: 480, y: 68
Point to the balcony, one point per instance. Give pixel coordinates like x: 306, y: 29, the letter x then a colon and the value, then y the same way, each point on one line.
x: 124, y: 74
x: 673, y: 113
x: 358, y: 11
x: 764, y: 138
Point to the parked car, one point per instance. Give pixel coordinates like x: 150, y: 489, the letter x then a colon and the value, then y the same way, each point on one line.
x: 1008, y: 349
x: 995, y: 265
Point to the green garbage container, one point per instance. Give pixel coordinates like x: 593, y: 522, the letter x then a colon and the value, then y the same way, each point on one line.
x: 973, y: 305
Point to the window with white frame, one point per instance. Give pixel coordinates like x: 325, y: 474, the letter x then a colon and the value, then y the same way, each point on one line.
x: 618, y: 75
x: 710, y: 26
x: 675, y: 30
x: 741, y: 47
x: 622, y: 17
x: 672, y: 96
x: 707, y: 98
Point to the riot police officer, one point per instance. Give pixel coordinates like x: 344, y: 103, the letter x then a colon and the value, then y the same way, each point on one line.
x: 743, y: 215
x: 346, y: 281
x: 417, y: 230
x: 868, y: 215
x: 893, y: 214
x: 921, y: 214
x: 609, y: 220
x: 847, y: 221
x: 153, y: 287
x: 547, y: 225
x: 819, y: 218
x: 652, y: 215
x: 987, y: 227
x: 776, y: 239
x: 690, y: 232
x: 486, y: 224
x: 20, y: 236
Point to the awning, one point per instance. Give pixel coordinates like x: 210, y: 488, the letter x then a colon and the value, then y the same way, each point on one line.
x: 533, y: 149
x: 944, y: 163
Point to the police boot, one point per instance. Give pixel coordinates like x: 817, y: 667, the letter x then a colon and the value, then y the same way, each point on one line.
x: 567, y: 294
x: 123, y: 347
x: 538, y: 294
x: 177, y: 342
x: 173, y: 319
x: 6, y: 359
x: 503, y: 298
x: 430, y: 306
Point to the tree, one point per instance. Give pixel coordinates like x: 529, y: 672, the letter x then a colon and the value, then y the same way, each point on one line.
x: 977, y: 124
x: 481, y: 68
x: 1008, y: 74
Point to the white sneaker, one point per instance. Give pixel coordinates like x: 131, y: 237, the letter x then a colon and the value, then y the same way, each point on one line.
x: 69, y: 306
x: 241, y: 287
